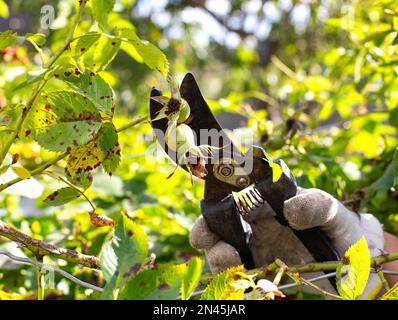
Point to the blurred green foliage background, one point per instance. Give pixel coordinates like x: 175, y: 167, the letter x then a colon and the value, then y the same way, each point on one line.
x: 315, y: 82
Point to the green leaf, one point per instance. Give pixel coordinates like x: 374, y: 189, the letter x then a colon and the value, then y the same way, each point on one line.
x: 353, y: 271
x: 38, y: 38
x: 393, y: 117
x: 3, y: 9
x: 161, y: 283
x: 83, y: 179
x: 62, y: 196
x: 395, y: 167
x: 101, y: 54
x: 152, y: 56
x: 124, y: 250
x: 110, y: 147
x: 100, y: 11
x: 33, y: 77
x: 102, y: 149
x: 62, y: 120
x: 85, y: 42
x: 191, y: 277
x: 221, y: 288
x: 21, y: 172
x: 391, y: 294
x: 92, y: 86
x: 7, y: 39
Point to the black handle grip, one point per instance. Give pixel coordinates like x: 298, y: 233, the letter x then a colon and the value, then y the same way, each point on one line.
x: 223, y: 219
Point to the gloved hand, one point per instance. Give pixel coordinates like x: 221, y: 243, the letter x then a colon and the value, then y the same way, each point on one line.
x: 309, y: 208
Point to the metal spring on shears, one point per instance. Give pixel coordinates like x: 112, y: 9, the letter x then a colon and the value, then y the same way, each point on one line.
x: 248, y: 199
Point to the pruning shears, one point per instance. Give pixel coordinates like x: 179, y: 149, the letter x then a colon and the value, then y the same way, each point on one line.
x: 230, y: 172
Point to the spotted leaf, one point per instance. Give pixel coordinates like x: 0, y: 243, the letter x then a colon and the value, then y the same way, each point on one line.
x: 62, y: 196
x: 164, y: 282
x: 61, y: 120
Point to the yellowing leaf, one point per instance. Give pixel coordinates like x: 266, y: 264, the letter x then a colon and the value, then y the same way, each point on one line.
x: 221, y: 287
x: 391, y: 294
x: 21, y: 172
x: 276, y: 172
x: 353, y: 271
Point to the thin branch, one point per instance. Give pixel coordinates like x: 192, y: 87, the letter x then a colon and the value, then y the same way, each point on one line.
x: 310, y: 284
x: 54, y: 269
x: 383, y: 280
x: 315, y: 279
x: 132, y: 124
x: 40, y: 249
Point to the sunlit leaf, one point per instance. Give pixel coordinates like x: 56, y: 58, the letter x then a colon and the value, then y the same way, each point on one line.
x: 353, y: 271
x: 38, y: 38
x: 151, y: 55
x: 92, y: 86
x: 21, y: 172
x: 101, y: 54
x: 3, y: 9
x: 221, y: 288
x: 100, y: 11
x: 392, y: 294
x: 85, y: 42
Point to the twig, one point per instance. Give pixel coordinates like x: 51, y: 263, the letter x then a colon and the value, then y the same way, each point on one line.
x: 310, y: 284
x: 40, y: 249
x: 54, y: 269
x: 315, y: 279
x: 282, y: 269
x: 40, y: 282
x: 132, y: 124
x: 383, y: 280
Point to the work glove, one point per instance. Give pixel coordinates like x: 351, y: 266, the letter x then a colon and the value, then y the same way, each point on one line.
x: 309, y: 208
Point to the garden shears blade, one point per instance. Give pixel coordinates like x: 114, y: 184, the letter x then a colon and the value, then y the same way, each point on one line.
x: 229, y: 171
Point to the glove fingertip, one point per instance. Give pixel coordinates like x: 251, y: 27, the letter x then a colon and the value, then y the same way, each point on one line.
x: 201, y: 237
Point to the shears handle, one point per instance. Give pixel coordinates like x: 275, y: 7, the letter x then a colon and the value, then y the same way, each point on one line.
x: 223, y: 219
